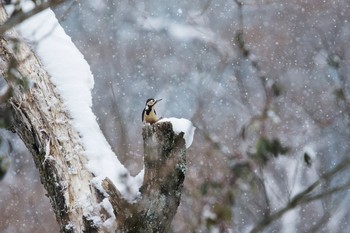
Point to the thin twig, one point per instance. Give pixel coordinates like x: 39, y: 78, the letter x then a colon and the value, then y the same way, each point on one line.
x: 303, y: 197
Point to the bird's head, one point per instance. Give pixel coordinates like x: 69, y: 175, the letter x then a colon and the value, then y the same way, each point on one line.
x: 151, y: 102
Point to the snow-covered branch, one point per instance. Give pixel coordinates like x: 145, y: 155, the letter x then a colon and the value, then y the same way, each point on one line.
x: 71, y: 75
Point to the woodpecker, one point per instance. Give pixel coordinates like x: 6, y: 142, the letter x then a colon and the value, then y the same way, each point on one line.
x: 149, y: 115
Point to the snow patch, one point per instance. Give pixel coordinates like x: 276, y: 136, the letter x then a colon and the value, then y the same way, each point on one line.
x: 309, y: 149
x: 182, y: 125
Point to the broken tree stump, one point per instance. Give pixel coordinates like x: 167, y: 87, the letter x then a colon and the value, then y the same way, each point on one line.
x: 160, y: 193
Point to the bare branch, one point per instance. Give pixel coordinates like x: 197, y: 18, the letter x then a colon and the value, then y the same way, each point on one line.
x: 19, y: 17
x: 326, y: 193
x: 303, y: 197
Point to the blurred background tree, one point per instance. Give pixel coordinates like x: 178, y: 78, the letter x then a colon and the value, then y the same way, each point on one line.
x: 266, y: 83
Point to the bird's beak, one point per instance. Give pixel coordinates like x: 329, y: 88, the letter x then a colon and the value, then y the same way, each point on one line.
x: 157, y: 101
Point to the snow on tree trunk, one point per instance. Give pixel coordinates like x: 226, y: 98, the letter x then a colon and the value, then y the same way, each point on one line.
x: 45, y: 126
x: 165, y: 166
x: 42, y: 122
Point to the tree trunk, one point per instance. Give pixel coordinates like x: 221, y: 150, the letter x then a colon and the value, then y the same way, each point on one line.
x: 43, y: 124
x: 165, y: 166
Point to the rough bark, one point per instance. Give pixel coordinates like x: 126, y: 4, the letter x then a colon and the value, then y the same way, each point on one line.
x: 165, y: 166
x: 42, y: 122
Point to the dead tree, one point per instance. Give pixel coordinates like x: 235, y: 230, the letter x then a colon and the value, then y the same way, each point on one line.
x: 165, y: 166
x: 43, y: 123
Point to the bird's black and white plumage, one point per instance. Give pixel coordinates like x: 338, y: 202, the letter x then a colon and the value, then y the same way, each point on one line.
x: 149, y: 114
